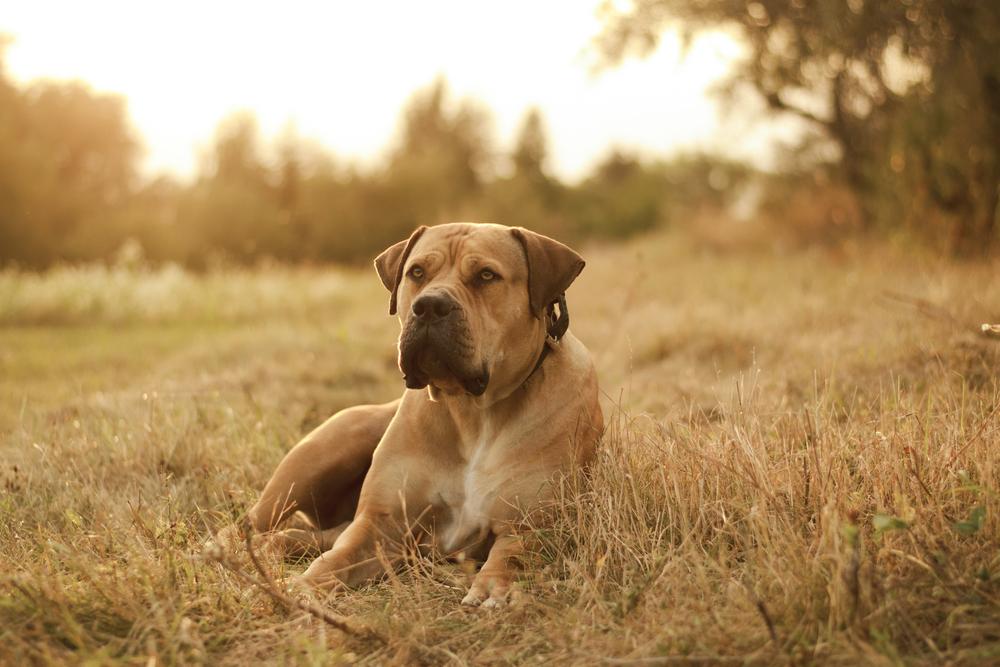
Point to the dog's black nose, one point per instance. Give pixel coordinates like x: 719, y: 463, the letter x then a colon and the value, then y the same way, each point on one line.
x: 433, y: 307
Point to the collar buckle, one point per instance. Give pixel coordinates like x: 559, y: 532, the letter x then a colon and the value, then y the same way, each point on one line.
x: 557, y: 324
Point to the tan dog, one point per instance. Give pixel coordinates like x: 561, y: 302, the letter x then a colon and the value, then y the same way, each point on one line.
x: 499, y: 398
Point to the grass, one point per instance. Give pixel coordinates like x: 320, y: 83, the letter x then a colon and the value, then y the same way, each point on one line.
x: 800, y: 467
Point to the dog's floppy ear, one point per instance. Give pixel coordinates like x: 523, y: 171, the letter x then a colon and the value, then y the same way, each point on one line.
x: 552, y: 267
x: 390, y: 264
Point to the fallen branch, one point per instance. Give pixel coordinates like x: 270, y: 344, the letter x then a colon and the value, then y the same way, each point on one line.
x: 266, y: 583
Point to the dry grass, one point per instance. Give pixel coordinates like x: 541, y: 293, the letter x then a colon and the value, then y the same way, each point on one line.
x: 801, y: 467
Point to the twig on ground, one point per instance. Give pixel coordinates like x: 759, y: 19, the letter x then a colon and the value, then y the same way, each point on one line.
x: 764, y: 614
x: 266, y: 584
x: 762, y: 609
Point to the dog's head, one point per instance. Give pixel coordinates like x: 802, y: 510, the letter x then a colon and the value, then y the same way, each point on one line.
x: 472, y: 300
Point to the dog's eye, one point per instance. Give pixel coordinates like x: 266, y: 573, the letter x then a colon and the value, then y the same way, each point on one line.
x: 486, y: 275
x: 416, y: 273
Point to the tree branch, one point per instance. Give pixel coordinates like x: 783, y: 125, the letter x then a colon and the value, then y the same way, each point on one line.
x: 774, y: 101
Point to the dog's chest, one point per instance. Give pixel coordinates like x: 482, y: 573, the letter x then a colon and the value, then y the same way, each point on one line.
x: 468, y: 498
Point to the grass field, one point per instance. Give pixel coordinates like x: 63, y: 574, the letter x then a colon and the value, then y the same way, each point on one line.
x: 802, y: 466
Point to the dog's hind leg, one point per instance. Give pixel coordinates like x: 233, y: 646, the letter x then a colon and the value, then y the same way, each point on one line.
x: 304, y: 541
x: 321, y: 476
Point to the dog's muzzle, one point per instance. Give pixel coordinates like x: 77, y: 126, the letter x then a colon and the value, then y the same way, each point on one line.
x: 436, y: 344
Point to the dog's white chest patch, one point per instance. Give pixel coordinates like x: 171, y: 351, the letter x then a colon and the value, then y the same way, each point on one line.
x: 470, y: 502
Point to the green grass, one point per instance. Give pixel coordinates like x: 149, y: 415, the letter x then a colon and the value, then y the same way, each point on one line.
x: 805, y: 443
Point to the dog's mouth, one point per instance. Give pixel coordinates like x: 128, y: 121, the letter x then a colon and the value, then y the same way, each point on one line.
x: 430, y: 356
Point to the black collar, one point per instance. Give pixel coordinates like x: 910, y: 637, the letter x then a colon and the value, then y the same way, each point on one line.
x: 555, y: 329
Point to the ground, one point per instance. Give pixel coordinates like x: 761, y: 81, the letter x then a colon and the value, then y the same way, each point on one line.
x: 800, y: 466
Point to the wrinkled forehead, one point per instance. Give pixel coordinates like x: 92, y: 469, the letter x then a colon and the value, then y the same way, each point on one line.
x: 471, y: 246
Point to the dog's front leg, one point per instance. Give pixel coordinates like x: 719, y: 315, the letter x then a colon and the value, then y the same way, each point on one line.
x: 492, y: 583
x: 353, y: 559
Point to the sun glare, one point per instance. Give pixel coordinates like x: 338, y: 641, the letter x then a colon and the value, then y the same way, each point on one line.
x: 340, y: 72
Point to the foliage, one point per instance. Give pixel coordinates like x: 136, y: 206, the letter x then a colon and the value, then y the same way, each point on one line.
x: 69, y: 190
x: 638, y: 197
x: 907, y: 91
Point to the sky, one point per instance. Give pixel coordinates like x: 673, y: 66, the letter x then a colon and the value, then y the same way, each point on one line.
x: 339, y: 72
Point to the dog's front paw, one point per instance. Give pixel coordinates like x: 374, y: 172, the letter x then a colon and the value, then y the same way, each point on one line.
x: 488, y: 592
x: 494, y: 602
x: 472, y: 600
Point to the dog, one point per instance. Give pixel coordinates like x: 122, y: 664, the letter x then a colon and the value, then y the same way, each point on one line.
x: 500, y: 398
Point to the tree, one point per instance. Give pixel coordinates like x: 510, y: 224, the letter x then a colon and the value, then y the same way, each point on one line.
x: 67, y: 168
x: 443, y: 155
x: 528, y: 195
x: 235, y: 157
x: 862, y: 73
x: 232, y: 209
x: 531, y: 150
